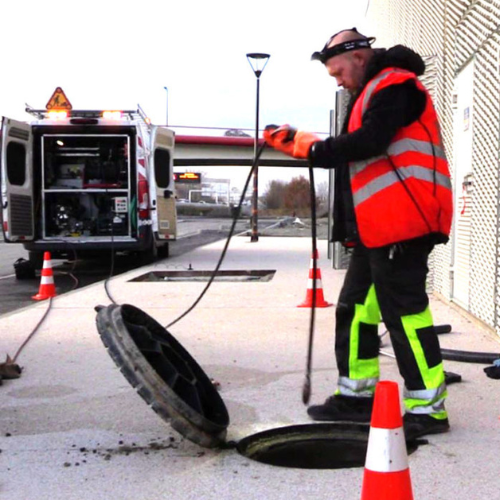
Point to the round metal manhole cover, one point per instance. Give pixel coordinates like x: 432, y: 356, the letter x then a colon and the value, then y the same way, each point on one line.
x: 164, y: 374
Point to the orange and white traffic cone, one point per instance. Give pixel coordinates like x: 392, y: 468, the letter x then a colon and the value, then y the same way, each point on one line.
x: 386, y: 475
x: 320, y: 299
x: 47, y: 288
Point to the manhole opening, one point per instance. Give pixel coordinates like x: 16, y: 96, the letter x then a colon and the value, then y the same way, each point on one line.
x: 225, y: 275
x: 311, y: 446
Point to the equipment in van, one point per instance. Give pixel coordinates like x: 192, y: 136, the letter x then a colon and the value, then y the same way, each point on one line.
x: 87, y: 181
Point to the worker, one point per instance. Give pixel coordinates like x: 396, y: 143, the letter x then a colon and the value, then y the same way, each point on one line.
x: 392, y: 205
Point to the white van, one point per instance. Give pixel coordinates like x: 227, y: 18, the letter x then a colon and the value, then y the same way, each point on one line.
x: 87, y: 182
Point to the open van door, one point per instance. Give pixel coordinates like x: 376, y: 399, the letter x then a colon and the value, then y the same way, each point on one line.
x: 17, y: 181
x: 162, y: 166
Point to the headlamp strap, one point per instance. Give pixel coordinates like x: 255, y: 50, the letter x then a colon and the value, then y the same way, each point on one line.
x: 340, y: 48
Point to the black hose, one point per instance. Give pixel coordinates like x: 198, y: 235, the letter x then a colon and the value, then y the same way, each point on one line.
x: 439, y: 329
x: 224, y: 250
x: 306, y: 388
x: 469, y: 356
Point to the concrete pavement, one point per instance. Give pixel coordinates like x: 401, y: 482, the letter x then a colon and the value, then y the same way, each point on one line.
x: 73, y: 428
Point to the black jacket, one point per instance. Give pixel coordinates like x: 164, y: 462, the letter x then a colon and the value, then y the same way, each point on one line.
x: 390, y: 109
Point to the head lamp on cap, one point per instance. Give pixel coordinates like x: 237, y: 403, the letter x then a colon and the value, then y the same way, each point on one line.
x: 328, y: 52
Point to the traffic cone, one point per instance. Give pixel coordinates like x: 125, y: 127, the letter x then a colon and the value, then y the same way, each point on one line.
x: 320, y: 299
x: 47, y: 288
x: 386, y: 474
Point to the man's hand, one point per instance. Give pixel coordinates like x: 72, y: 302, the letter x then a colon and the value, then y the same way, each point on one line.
x: 290, y: 141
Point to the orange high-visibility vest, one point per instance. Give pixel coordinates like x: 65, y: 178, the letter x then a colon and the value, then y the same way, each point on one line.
x: 405, y: 193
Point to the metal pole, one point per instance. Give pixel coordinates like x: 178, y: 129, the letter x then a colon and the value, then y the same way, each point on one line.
x: 255, y: 194
x: 166, y: 123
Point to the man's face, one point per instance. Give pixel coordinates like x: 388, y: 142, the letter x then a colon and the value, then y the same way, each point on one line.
x: 347, y: 69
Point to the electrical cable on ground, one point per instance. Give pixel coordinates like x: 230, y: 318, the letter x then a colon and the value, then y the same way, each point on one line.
x: 30, y: 336
x: 9, y: 369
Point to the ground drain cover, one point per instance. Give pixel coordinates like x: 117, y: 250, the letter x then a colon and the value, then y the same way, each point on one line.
x: 170, y: 380
x: 226, y: 275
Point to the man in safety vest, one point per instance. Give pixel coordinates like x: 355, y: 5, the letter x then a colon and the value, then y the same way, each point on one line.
x: 393, y: 203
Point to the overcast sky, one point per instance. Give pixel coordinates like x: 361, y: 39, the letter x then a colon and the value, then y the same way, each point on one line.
x: 117, y: 54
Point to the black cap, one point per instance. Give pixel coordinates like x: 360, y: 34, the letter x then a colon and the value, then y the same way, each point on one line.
x: 328, y: 52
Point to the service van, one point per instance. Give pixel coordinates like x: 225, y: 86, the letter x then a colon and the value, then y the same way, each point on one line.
x: 87, y: 182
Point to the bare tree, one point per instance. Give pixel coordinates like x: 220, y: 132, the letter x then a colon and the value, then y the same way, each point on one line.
x: 274, y: 196
x: 297, y: 194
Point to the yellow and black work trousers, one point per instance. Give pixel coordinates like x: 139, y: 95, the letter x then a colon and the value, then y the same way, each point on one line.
x: 389, y: 284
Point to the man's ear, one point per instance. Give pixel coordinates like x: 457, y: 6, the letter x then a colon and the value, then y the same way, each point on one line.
x: 358, y: 57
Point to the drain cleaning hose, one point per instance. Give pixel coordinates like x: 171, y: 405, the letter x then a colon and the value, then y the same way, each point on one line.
x: 45, y: 314
x: 470, y: 356
x: 231, y: 231
x: 306, y: 388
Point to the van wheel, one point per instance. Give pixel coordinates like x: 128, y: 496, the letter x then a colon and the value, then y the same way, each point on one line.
x: 163, y: 251
x: 150, y: 255
x: 36, y: 259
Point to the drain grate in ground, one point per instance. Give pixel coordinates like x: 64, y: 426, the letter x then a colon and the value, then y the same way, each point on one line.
x: 226, y: 275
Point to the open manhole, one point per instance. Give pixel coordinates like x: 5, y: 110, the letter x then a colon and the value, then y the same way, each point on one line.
x: 170, y: 380
x: 225, y: 275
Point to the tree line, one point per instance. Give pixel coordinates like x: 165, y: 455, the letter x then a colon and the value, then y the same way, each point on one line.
x: 293, y: 195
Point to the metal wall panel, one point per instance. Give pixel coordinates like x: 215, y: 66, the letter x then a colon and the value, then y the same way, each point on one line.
x: 339, y: 254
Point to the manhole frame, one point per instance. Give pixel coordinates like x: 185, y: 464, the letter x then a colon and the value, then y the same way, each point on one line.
x: 176, y: 276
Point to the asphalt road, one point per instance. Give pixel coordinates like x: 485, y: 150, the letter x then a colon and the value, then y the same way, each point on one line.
x: 193, y: 232
x: 16, y: 294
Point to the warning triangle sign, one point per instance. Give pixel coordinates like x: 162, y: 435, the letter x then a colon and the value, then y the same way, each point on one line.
x: 58, y: 100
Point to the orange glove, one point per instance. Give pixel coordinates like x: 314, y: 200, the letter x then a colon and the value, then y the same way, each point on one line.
x: 290, y: 141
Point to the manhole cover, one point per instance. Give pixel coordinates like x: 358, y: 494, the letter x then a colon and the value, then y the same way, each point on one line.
x: 176, y: 387
x: 227, y: 275
x: 164, y: 374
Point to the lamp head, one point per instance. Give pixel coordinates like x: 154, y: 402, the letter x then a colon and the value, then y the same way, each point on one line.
x: 258, y: 62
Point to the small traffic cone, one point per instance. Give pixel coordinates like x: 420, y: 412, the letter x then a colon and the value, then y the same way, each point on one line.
x: 320, y: 299
x: 386, y: 475
x: 47, y: 288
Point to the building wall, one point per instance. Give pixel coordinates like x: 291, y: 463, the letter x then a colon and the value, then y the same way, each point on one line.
x: 450, y: 34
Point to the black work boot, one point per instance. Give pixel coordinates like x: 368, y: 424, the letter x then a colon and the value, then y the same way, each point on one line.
x: 343, y: 408
x: 417, y: 425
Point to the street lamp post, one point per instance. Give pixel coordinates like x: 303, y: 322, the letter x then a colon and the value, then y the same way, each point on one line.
x: 166, y: 88
x: 258, y: 62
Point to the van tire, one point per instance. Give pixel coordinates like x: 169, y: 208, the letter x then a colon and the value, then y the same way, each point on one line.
x: 36, y: 259
x: 163, y: 251
x: 150, y: 255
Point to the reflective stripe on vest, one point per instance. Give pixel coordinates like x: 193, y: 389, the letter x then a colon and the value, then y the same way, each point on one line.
x: 370, y: 88
x: 400, y: 147
x: 391, y: 178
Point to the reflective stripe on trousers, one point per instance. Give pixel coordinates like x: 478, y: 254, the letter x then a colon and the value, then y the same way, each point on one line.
x: 403, y: 302
x: 431, y: 399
